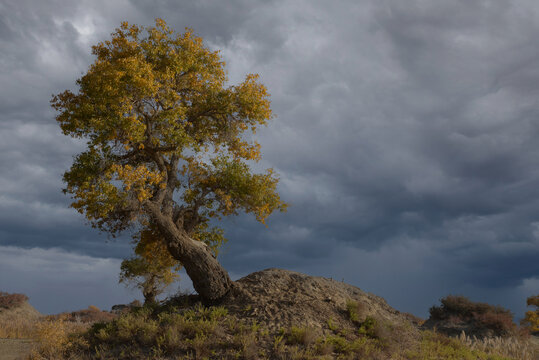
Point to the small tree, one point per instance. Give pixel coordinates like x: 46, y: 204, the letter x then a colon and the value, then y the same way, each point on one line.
x: 152, y: 269
x: 531, y: 320
x: 165, y: 144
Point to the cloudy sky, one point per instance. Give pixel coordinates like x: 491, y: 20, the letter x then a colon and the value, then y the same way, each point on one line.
x: 406, y: 138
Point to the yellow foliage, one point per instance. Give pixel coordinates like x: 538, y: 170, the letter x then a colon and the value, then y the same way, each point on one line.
x: 140, y: 179
x: 152, y: 269
x: 55, y: 336
x: 531, y: 320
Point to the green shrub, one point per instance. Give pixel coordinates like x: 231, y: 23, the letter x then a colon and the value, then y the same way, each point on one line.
x: 301, y: 336
x: 355, y: 310
x: 368, y: 326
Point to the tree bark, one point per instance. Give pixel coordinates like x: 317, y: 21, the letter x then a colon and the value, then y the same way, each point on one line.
x: 149, y: 297
x: 209, y: 278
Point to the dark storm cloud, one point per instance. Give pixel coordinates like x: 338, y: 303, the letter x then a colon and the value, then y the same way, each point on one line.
x: 405, y: 136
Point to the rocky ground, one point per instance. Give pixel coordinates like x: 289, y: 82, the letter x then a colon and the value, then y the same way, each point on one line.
x: 278, y: 299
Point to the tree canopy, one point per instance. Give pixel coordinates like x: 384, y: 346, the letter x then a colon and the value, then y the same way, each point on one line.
x: 167, y: 140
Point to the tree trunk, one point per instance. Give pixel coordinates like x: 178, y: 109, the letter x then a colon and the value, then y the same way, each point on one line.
x: 149, y: 297
x: 209, y: 278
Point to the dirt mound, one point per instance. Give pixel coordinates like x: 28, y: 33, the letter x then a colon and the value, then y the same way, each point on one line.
x: 279, y: 299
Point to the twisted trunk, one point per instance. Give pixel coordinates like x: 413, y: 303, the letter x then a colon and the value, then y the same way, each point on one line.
x: 149, y: 296
x: 210, y: 279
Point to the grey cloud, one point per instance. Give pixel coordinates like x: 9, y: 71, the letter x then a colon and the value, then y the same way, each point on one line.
x: 57, y: 281
x: 404, y: 136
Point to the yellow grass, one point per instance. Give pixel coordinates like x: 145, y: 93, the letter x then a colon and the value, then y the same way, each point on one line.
x: 55, y: 336
x: 19, y: 323
x: 17, y: 328
x: 516, y: 348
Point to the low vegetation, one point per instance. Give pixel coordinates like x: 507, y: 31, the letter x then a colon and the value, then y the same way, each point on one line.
x: 90, y: 315
x: 482, y: 318
x: 17, y: 327
x: 512, y: 347
x: 56, y: 335
x: 190, y: 331
x: 183, y: 328
x: 17, y: 317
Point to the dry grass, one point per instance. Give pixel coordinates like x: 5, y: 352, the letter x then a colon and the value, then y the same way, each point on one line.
x: 513, y: 347
x: 17, y: 328
x: 19, y: 322
x: 56, y: 336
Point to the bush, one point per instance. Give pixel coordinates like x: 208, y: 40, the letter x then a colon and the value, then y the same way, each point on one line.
x: 460, y: 309
x: 55, y: 336
x: 10, y: 301
x: 301, y: 336
x: 356, y: 311
x: 91, y: 315
x: 500, y: 323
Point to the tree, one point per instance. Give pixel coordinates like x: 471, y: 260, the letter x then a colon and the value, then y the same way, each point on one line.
x: 167, y: 145
x: 152, y: 269
x: 531, y: 320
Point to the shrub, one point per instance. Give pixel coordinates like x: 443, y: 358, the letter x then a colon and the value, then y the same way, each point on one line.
x: 356, y: 311
x: 500, y: 323
x: 91, y: 315
x: 55, y: 336
x: 460, y: 309
x: 10, y: 301
x: 463, y: 307
x: 368, y: 326
x: 301, y: 336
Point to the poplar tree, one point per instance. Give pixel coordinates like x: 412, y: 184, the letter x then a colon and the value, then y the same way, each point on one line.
x: 167, y: 144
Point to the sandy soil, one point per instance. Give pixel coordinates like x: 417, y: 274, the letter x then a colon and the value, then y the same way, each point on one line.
x: 15, y: 349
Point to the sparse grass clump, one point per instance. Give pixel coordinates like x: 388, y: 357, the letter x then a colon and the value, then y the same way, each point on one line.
x: 355, y: 311
x: 301, y: 336
x: 11, y: 301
